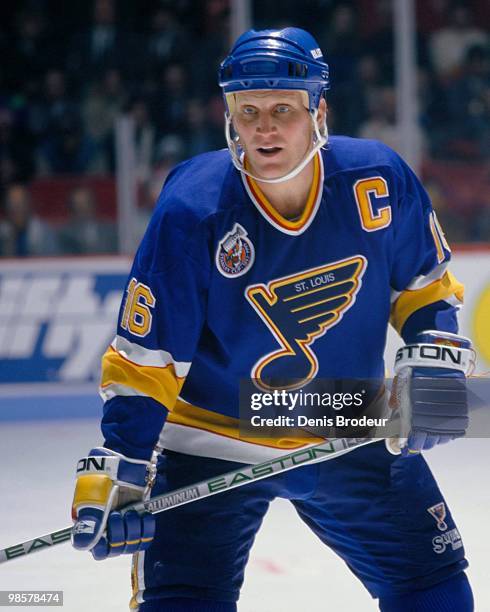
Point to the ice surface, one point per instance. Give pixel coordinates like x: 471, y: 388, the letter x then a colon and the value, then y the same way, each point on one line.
x: 289, y: 568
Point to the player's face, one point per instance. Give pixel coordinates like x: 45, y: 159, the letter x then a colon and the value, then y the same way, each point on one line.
x: 275, y: 130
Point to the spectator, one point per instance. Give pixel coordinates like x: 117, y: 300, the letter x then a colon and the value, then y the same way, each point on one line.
x: 170, y: 152
x: 50, y: 108
x: 32, y: 49
x: 342, y: 40
x: 16, y: 159
x: 101, y: 46
x: 165, y: 42
x: 144, y: 138
x: 380, y: 41
x: 67, y: 149
x: 105, y: 100
x: 214, y: 12
x: 22, y: 233
x: 215, y: 110
x: 353, y: 97
x: 434, y: 112
x: 169, y: 100
x: 84, y: 233
x: 213, y: 45
x: 468, y: 103
x: 448, y: 46
x: 201, y: 136
x: 381, y: 123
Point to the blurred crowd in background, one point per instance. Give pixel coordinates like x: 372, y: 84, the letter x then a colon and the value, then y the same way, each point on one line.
x: 69, y: 69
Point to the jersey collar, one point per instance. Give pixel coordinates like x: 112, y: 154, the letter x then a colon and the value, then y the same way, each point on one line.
x: 287, y: 226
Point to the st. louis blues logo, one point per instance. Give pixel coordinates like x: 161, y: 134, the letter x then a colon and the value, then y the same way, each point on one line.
x: 438, y: 512
x: 235, y: 254
x: 299, y: 309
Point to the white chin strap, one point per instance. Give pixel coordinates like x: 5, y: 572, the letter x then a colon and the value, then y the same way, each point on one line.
x: 238, y: 155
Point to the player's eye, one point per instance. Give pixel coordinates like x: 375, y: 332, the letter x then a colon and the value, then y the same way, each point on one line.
x: 283, y: 108
x: 248, y: 110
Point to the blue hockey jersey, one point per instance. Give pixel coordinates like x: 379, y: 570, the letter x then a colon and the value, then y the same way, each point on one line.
x: 224, y: 288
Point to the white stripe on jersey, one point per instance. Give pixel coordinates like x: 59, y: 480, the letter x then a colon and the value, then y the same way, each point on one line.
x: 419, y: 282
x: 193, y: 441
x: 148, y: 357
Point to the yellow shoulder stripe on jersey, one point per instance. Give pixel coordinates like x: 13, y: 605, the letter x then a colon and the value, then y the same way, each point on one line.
x: 207, y: 420
x: 160, y: 383
x: 275, y: 216
x: 411, y: 300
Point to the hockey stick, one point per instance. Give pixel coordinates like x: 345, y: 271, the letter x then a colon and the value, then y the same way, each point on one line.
x: 329, y: 449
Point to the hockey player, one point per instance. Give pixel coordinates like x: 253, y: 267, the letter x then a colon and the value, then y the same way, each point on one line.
x: 238, y: 239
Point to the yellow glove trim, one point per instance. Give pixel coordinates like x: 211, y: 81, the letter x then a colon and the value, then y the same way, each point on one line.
x: 129, y: 542
x: 92, y: 489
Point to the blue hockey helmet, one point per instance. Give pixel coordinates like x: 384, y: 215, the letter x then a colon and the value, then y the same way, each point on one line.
x: 276, y: 59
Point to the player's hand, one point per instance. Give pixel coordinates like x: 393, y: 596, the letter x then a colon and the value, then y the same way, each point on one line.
x: 430, y: 390
x: 106, y: 481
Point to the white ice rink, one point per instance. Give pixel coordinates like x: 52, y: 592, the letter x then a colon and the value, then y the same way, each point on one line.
x: 289, y: 568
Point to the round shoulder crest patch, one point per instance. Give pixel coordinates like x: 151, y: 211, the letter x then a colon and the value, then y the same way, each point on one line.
x: 235, y: 254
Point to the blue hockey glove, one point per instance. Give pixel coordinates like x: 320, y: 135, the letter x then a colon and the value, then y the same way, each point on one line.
x: 106, y: 481
x: 430, y: 390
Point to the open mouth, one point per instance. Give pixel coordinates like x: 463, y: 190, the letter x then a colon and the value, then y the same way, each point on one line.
x: 269, y: 151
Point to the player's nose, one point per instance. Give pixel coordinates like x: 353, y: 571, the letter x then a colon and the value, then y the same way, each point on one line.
x: 265, y: 123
